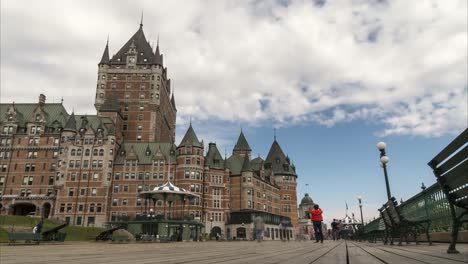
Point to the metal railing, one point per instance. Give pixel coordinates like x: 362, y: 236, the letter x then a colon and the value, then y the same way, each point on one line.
x: 430, y: 203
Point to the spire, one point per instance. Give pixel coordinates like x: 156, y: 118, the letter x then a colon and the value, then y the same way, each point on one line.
x: 242, y: 143
x: 71, y: 123
x: 190, y: 138
x: 173, y: 102
x: 141, y: 21
x: 278, y: 161
x: 141, y: 45
x: 105, y: 55
x: 158, y: 58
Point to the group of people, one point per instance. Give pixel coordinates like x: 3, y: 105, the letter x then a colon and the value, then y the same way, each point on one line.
x: 336, y: 229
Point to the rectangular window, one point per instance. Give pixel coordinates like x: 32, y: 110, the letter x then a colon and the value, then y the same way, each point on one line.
x: 93, y: 192
x: 71, y: 191
x: 115, y: 202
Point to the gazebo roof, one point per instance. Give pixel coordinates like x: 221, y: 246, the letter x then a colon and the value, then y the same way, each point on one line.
x: 168, y: 192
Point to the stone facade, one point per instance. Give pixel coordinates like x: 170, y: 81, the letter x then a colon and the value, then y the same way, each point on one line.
x: 88, y: 169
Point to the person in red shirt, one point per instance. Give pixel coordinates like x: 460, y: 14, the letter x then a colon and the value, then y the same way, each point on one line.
x: 316, y: 217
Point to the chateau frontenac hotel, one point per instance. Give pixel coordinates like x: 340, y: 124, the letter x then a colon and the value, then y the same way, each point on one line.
x: 89, y: 169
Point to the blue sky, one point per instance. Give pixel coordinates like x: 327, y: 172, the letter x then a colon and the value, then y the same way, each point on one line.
x: 334, y: 77
x: 341, y: 162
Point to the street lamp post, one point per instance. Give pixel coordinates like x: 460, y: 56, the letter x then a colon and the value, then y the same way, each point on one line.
x: 383, y: 162
x: 360, y: 208
x: 211, y: 226
x: 423, y: 188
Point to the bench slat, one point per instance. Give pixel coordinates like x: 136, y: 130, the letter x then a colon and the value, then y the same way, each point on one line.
x: 457, y: 177
x: 450, y: 149
x: 453, y: 161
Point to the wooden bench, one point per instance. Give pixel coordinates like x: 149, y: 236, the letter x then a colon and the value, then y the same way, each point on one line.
x: 450, y: 167
x: 27, y: 237
x: 119, y: 238
x: 403, y: 226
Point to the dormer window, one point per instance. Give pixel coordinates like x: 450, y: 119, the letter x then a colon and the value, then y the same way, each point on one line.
x: 82, y: 130
x: 122, y: 152
x: 145, y: 60
x: 277, y: 160
x: 148, y: 152
x: 38, y: 117
x: 10, y: 118
x: 118, y: 59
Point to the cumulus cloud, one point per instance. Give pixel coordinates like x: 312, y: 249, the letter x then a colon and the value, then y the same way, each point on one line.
x: 400, y: 63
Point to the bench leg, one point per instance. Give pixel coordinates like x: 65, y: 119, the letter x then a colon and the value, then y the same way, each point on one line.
x: 453, y: 241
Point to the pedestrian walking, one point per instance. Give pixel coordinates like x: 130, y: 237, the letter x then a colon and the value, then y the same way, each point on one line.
x: 334, y: 225
x: 259, y: 226
x: 340, y: 226
x: 317, y: 218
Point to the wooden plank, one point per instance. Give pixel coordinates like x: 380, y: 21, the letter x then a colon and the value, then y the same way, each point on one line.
x: 436, y: 250
x: 454, y: 160
x: 335, y: 254
x: 387, y: 257
x: 430, y: 259
x: 449, y: 149
x: 357, y: 255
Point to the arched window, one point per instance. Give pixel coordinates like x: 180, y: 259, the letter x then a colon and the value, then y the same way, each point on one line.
x: 95, y: 152
x: 87, y: 152
x: 73, y: 152
x: 78, y: 152
x: 101, y: 152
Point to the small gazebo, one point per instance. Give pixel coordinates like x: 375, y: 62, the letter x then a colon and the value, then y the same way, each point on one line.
x: 168, y: 193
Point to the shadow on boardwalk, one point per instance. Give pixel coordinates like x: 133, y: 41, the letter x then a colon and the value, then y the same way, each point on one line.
x: 231, y: 252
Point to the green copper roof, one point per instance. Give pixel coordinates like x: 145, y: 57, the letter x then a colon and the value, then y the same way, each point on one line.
x: 278, y: 161
x: 25, y: 112
x: 235, y: 163
x: 242, y: 143
x: 71, y: 123
x: 143, y: 155
x: 190, y: 138
x: 246, y: 166
x: 213, y: 158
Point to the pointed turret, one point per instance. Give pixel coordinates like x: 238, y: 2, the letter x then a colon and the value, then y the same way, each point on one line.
x: 213, y: 158
x: 71, y: 123
x: 173, y: 102
x: 246, y: 166
x: 277, y: 161
x: 105, y: 55
x: 242, y: 146
x: 190, y: 138
x: 145, y: 52
x: 158, y: 57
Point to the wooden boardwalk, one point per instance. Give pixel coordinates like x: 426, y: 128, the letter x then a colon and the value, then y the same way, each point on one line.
x: 230, y: 252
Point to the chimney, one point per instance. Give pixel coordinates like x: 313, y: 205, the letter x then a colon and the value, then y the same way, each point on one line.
x: 42, y: 99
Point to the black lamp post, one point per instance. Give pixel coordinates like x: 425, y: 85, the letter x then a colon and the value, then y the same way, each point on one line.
x: 383, y: 163
x: 211, y: 225
x: 423, y: 188
x: 360, y: 208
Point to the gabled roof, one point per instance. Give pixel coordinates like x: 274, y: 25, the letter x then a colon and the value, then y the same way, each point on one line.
x: 278, y: 160
x: 190, y: 138
x: 158, y: 150
x: 142, y: 46
x: 25, y: 112
x: 242, y: 143
x: 213, y: 158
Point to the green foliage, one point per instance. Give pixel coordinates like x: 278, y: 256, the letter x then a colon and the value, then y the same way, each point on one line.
x: 24, y: 223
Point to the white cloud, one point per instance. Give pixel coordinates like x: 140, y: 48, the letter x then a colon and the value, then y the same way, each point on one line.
x: 399, y: 63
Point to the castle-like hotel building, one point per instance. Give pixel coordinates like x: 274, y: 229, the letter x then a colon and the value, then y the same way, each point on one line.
x: 89, y: 169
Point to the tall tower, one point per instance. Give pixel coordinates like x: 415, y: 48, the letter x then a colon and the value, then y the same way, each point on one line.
x: 137, y: 77
x: 279, y: 165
